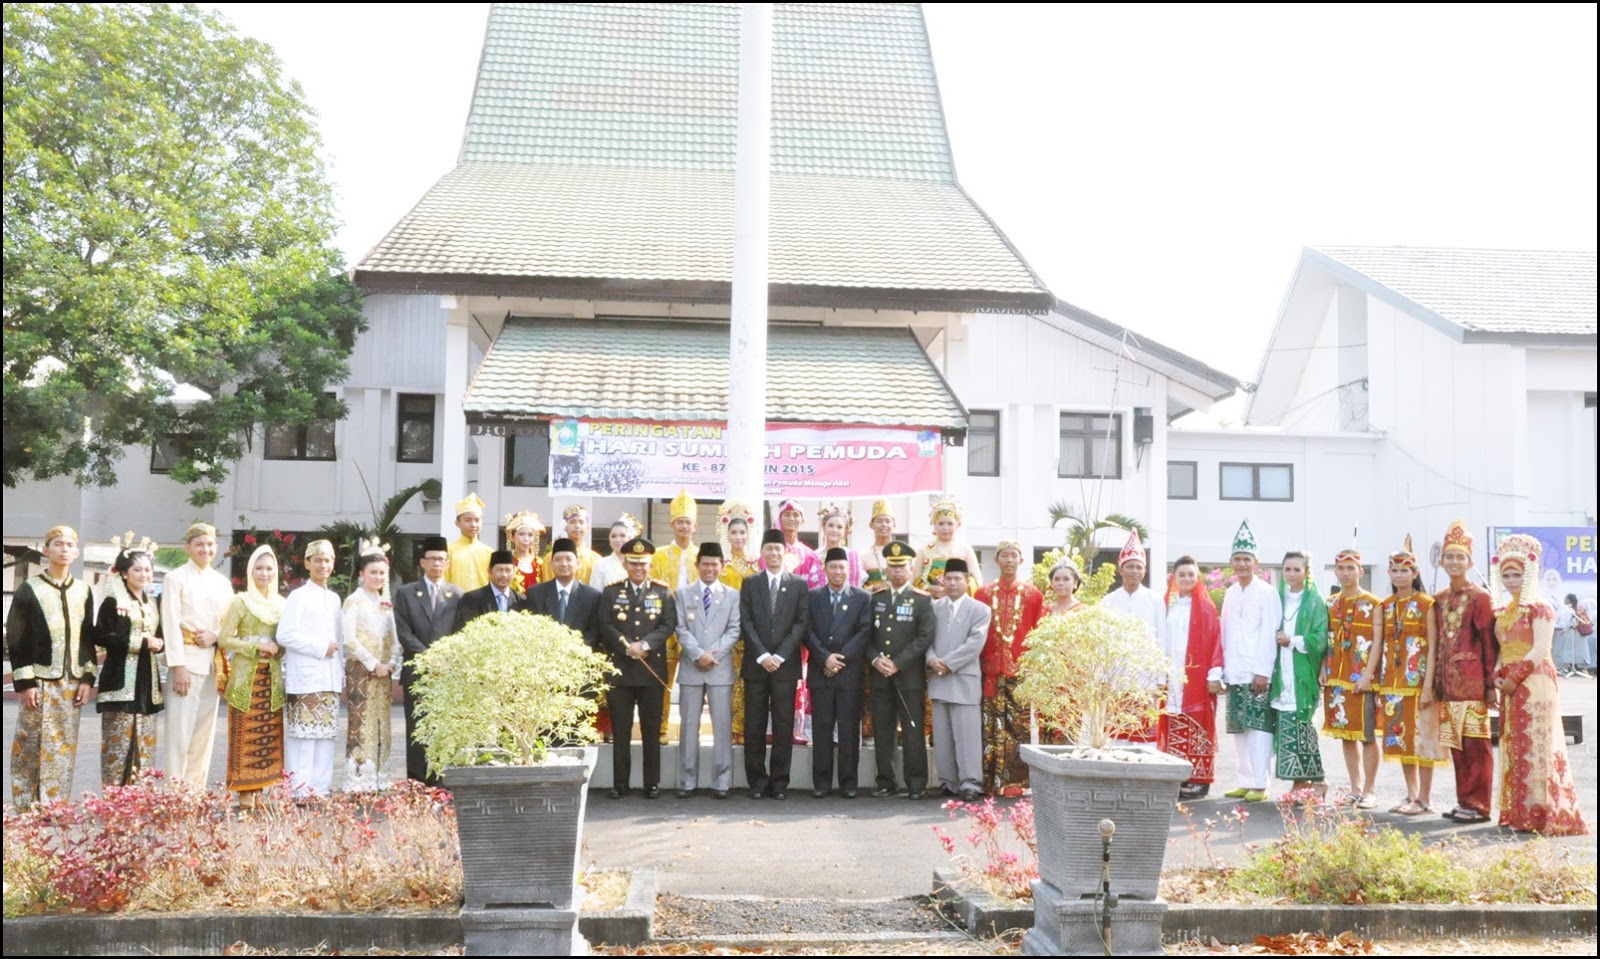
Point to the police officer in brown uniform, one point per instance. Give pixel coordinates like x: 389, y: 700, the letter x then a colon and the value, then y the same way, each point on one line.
x: 902, y: 632
x: 636, y: 617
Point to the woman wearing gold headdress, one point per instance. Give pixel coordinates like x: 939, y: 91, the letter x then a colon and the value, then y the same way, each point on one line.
x: 1408, y: 716
x: 255, y: 680
x: 522, y: 537
x: 1536, y: 787
x: 945, y: 517
x: 130, y: 690
x: 734, y: 520
x: 371, y: 660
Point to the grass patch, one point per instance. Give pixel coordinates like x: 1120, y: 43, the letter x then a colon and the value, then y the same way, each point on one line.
x: 605, y: 891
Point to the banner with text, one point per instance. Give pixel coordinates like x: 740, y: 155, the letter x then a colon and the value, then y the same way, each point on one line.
x: 652, y: 459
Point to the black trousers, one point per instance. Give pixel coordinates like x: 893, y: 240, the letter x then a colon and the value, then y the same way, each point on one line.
x: 623, y: 700
x: 835, y: 709
x: 416, y: 757
x: 763, y: 697
x: 893, y: 704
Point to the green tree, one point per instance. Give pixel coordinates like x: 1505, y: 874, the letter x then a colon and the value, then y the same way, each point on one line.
x: 1082, y: 528
x: 167, y: 221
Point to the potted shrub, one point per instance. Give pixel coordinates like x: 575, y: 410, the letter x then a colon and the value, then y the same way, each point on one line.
x: 503, y: 708
x: 1090, y: 678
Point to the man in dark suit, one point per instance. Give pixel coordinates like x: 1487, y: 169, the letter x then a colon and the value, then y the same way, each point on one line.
x: 636, y: 617
x: 563, y: 598
x: 423, y: 612
x: 496, y: 597
x: 773, y: 619
x: 902, y: 632
x: 837, y: 638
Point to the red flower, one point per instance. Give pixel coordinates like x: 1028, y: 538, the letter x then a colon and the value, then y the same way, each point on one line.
x: 249, y: 539
x: 288, y: 538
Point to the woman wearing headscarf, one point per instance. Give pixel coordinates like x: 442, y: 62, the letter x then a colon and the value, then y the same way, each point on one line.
x: 255, y: 680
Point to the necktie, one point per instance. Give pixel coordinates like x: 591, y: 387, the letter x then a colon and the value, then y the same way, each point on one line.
x: 835, y: 605
x: 705, y: 600
x: 433, y: 596
x: 561, y: 612
x: 500, y: 601
x: 772, y: 592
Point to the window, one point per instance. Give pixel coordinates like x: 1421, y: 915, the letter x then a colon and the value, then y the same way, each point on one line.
x: 983, y: 443
x: 1258, y: 481
x: 164, y: 455
x: 414, y: 433
x: 1183, y: 480
x: 300, y: 441
x: 528, y: 459
x: 1091, y: 445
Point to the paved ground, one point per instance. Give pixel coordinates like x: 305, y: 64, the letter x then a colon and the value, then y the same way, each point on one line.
x: 873, y: 848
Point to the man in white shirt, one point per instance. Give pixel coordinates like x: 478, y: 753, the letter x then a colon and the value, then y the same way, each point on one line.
x: 193, y: 601
x: 1251, y: 615
x: 1139, y: 601
x: 313, y: 676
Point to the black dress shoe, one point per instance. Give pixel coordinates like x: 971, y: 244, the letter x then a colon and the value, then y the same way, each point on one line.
x: 819, y: 794
x: 947, y: 791
x: 884, y: 791
x: 685, y: 793
x: 719, y: 794
x: 848, y: 793
x: 779, y: 794
x: 1192, y: 791
x: 617, y: 792
x: 652, y: 792
x: 971, y: 794
x: 757, y: 793
x: 917, y: 794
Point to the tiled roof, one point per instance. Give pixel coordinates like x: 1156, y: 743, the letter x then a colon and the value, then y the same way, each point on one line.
x: 656, y: 84
x: 598, y: 162
x: 1483, y: 291
x: 632, y: 369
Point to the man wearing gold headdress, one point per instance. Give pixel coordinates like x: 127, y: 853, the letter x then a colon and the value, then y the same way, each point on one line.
x: 872, y: 563
x: 48, y: 636
x: 194, y: 599
x: 1349, y: 705
x: 575, y: 518
x: 1463, y: 677
x: 945, y: 517
x: 522, y: 538
x: 674, y: 567
x: 469, y: 558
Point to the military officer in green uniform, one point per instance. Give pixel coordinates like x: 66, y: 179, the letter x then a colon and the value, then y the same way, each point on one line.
x: 636, y: 617
x: 902, y: 631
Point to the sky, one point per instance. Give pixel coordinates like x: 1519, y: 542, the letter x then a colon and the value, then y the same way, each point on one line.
x: 1159, y: 166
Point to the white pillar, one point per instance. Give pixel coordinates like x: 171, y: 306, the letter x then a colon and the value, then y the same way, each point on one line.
x: 454, y: 422
x: 747, y: 350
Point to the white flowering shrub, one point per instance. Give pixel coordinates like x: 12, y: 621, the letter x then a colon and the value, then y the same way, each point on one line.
x: 1090, y: 675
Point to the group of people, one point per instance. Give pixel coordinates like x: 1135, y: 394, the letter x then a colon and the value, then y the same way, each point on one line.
x: 771, y: 636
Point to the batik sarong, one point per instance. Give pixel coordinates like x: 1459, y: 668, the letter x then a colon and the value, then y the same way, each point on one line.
x: 367, y: 738
x: 1299, y: 755
x: 1248, y: 709
x: 45, y: 748
x: 255, y: 737
x: 1005, y: 728
x: 1410, y: 730
x: 127, y: 746
x: 312, y: 715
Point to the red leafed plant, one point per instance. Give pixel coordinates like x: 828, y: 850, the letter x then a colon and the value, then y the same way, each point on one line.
x: 997, y: 848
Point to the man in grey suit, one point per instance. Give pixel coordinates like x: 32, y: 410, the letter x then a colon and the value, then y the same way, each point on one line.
x: 773, y: 620
x: 955, y: 685
x: 708, y: 628
x: 423, y: 612
x: 837, y: 640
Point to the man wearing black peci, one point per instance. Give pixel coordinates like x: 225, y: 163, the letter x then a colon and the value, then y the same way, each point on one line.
x: 774, y: 620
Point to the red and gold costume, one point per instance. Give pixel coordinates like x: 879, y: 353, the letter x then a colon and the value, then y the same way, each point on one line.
x: 1536, y: 787
x: 1017, y: 607
x: 1463, y: 678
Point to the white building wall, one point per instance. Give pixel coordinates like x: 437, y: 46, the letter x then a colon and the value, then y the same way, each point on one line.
x: 1316, y: 402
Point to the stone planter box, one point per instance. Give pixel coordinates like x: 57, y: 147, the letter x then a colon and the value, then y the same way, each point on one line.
x: 520, y: 828
x: 984, y: 915
x: 1071, y: 796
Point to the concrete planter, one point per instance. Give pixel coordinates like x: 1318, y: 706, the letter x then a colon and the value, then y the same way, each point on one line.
x: 520, y: 827
x: 1071, y: 796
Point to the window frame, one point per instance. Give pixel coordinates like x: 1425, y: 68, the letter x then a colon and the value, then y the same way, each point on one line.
x: 1194, y: 478
x: 302, y: 445
x: 994, y: 432
x: 509, y: 460
x: 155, y: 453
x: 402, y: 417
x: 1255, y: 483
x: 1088, y: 437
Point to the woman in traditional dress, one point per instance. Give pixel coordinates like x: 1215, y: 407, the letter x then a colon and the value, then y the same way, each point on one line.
x: 255, y: 680
x: 522, y: 536
x: 130, y: 691
x: 609, y: 569
x: 1536, y: 788
x: 1408, y: 716
x: 733, y: 532
x: 836, y: 523
x: 1296, y: 687
x: 1064, y: 582
x: 1193, y: 642
x: 945, y: 517
x: 371, y: 658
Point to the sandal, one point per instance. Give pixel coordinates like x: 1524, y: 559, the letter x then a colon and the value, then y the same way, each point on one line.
x: 1369, y: 801
x: 1411, y: 807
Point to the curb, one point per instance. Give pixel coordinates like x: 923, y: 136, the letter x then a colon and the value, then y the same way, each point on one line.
x: 633, y: 924
x: 212, y: 934
x: 985, y: 915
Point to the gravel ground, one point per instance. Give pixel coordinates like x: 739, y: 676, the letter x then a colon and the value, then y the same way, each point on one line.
x: 679, y: 917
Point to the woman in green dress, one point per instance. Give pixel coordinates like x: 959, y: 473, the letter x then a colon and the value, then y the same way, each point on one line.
x: 254, y: 689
